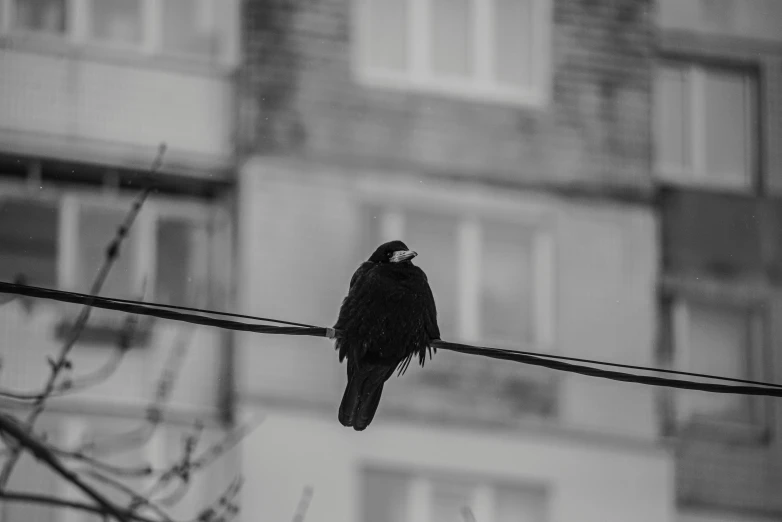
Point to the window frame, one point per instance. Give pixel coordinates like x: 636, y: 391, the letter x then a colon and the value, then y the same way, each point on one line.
x: 70, y: 200
x: 678, y: 293
x: 481, y: 85
x: 145, y: 230
x: 420, y: 484
x: 696, y: 69
x: 395, y: 198
x: 78, y: 16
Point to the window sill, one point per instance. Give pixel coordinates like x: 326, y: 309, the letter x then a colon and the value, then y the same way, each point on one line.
x: 106, y: 333
x: 532, y: 98
x: 60, y: 46
x: 693, y: 181
x: 718, y: 432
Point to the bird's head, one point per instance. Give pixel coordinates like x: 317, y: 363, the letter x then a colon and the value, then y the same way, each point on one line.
x: 392, y: 252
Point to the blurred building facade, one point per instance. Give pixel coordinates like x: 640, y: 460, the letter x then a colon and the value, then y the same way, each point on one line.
x: 88, y: 89
x: 717, y: 120
x: 602, y: 183
x: 510, y: 144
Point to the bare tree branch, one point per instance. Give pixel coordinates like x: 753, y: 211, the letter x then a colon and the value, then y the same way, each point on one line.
x: 304, y: 504
x: 137, y: 500
x: 124, y: 341
x: 182, y: 469
x: 225, y: 507
x: 133, y: 472
x: 140, y: 435
x: 185, y: 468
x: 25, y: 440
x: 33, y: 498
x: 467, y: 514
x: 62, y: 362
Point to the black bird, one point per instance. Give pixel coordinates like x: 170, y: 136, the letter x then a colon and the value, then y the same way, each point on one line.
x: 387, y: 318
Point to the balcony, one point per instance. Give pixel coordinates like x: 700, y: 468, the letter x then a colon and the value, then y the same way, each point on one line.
x: 107, y: 81
x: 57, y: 237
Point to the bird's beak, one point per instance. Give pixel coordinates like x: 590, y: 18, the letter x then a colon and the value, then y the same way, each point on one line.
x: 402, y: 255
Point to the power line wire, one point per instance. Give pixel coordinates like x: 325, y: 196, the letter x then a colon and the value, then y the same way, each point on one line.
x: 550, y: 361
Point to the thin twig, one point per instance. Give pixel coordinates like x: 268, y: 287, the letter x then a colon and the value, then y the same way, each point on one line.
x: 136, y: 498
x: 225, y: 504
x: 124, y: 341
x: 32, y: 498
x: 219, y: 449
x: 209, y: 456
x: 26, y: 441
x: 62, y: 362
x: 140, y: 435
x: 132, y: 472
x: 304, y: 504
x: 182, y: 469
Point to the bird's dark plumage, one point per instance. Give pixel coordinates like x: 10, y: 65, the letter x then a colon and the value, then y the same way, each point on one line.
x: 388, y: 317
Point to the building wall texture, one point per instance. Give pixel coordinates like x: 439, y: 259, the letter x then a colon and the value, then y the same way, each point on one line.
x: 300, y: 240
x: 298, y: 95
x: 314, y: 142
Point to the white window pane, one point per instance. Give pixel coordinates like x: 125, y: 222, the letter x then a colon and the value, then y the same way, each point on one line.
x: 672, y: 126
x: 28, y: 241
x: 719, y: 343
x: 387, y: 34
x: 117, y: 20
x: 513, y: 42
x: 506, y: 283
x: 187, y: 28
x: 176, y: 279
x: 728, y: 104
x: 451, y: 37
x: 434, y: 237
x: 520, y: 504
x: 449, y: 500
x: 385, y: 496
x: 41, y: 15
x: 96, y: 228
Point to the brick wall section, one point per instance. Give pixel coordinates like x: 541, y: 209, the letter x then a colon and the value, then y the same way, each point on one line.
x: 298, y: 96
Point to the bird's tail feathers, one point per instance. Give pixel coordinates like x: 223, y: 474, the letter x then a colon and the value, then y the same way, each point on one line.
x: 362, y: 395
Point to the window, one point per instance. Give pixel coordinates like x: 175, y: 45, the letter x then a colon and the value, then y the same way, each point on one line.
x: 191, y: 29
x: 28, y: 240
x: 117, y: 21
x: 490, y: 277
x: 718, y: 339
x: 396, y: 496
x: 166, y: 249
x: 63, y: 243
x: 495, y: 49
x: 706, y: 125
x: 47, y: 16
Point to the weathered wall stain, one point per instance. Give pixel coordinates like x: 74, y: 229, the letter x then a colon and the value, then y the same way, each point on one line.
x: 300, y: 96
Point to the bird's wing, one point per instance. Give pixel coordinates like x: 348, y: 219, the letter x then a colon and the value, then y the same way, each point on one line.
x: 359, y: 303
x: 430, y: 317
x: 358, y: 275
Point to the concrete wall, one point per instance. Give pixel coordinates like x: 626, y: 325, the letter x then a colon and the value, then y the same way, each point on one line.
x: 588, y: 483
x: 112, y: 111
